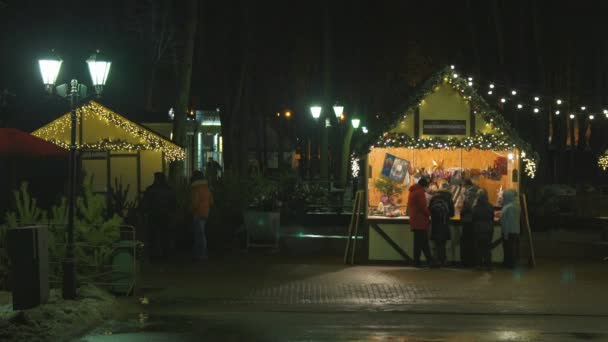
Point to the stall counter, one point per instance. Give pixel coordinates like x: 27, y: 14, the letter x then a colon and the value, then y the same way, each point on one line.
x: 390, y: 239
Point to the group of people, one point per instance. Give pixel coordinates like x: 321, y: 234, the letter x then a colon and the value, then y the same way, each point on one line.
x: 159, y: 205
x: 477, y: 218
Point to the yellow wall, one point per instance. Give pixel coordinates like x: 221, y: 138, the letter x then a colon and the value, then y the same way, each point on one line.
x: 444, y: 104
x: 94, y: 130
x: 98, y: 169
x: 151, y: 162
x: 475, y: 160
x: 405, y: 126
x: 124, y: 168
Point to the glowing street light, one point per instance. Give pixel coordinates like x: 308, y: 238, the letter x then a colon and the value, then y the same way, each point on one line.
x: 338, y: 110
x: 315, y: 111
x: 49, y: 69
x: 99, y: 67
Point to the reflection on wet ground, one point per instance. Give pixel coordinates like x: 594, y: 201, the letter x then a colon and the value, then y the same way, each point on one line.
x: 349, y: 326
x: 266, y: 301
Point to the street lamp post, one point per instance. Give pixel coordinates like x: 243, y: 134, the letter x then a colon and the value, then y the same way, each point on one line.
x: 99, y: 69
x: 316, y: 111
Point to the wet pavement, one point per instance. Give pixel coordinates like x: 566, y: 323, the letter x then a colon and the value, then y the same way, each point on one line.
x: 272, y: 300
x: 351, y: 326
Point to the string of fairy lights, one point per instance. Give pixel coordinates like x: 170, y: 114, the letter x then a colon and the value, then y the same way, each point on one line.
x: 93, y: 110
x: 534, y: 104
x: 354, y: 166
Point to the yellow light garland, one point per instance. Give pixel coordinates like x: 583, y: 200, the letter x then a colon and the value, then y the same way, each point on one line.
x: 529, y: 167
x: 93, y: 110
x: 603, y: 162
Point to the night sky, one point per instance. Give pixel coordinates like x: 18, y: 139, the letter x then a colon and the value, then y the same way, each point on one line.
x: 378, y: 51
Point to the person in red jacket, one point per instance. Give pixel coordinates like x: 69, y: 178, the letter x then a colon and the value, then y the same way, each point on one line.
x: 420, y: 220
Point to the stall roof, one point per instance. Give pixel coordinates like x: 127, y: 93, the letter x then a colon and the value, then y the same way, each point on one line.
x: 506, y: 139
x: 118, y: 133
x: 18, y: 144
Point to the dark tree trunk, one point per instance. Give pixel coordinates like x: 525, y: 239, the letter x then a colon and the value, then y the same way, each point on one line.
x: 235, y: 119
x: 150, y: 87
x: 345, y: 157
x: 185, y: 80
x: 542, y: 78
x: 474, y: 38
x: 327, y: 94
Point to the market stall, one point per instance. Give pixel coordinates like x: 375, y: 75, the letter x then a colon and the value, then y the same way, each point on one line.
x: 113, y: 150
x: 448, y: 133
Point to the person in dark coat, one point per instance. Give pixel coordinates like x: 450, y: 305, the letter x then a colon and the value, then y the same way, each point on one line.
x: 158, y: 206
x: 442, y: 209
x: 213, y: 170
x: 420, y: 220
x: 467, y: 238
x: 483, y: 228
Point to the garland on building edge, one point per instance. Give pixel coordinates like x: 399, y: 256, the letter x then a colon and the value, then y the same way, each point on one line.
x: 479, y: 141
x: 120, y: 145
x: 93, y: 110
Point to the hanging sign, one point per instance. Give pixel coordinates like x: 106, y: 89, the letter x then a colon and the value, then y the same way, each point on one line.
x: 444, y: 127
x: 93, y: 154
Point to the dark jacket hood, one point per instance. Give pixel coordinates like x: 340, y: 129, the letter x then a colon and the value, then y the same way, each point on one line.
x: 482, y: 200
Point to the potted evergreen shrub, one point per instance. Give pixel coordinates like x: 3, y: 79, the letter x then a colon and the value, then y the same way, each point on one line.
x: 263, y: 217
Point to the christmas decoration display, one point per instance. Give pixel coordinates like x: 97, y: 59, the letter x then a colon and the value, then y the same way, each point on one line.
x: 93, y: 110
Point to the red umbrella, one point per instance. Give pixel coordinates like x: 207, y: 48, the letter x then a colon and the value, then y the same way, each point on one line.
x: 18, y: 144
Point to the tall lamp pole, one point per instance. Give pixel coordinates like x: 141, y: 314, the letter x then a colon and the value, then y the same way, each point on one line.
x: 315, y: 111
x: 99, y: 69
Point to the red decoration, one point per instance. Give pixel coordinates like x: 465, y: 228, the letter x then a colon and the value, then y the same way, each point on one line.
x: 501, y: 165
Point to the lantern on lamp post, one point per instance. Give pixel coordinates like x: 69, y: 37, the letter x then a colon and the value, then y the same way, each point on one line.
x: 338, y: 111
x: 99, y: 68
x: 316, y: 112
